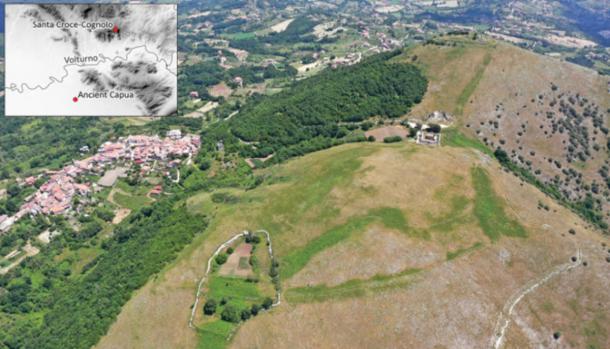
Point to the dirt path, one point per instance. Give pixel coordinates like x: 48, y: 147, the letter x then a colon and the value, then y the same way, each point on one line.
x: 504, y: 319
x: 110, y: 197
x: 209, y: 267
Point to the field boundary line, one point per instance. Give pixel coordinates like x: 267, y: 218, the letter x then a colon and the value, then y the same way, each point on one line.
x: 209, y: 267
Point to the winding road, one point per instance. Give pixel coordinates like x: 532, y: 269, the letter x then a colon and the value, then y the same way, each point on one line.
x: 504, y: 319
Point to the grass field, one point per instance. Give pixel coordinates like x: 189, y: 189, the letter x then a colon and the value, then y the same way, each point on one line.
x: 455, y: 254
x: 454, y: 73
x: 452, y: 137
x: 214, y: 334
x: 309, y: 193
x: 237, y: 291
x: 489, y: 209
x: 240, y: 36
x: 391, y: 218
x: 130, y: 201
x: 467, y: 92
x: 352, y: 288
x: 78, y: 258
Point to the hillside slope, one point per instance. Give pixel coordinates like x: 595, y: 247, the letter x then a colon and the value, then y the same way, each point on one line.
x: 550, y: 117
x: 375, y: 243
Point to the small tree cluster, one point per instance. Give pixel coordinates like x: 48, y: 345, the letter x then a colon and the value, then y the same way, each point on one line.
x: 221, y: 258
x: 209, y: 308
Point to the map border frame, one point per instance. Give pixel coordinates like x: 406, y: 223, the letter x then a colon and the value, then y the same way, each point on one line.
x: 6, y: 3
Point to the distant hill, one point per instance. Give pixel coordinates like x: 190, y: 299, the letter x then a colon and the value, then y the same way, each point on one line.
x: 550, y: 117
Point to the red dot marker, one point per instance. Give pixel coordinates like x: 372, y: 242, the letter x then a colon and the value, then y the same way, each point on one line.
x: 75, y: 99
x: 115, y: 29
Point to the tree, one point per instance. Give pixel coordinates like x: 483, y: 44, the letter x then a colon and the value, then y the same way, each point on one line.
x: 13, y: 190
x: 230, y: 314
x: 104, y: 214
x: 436, y: 128
x: 502, y: 156
x: 267, y: 303
x: 209, y: 308
x: 252, y: 238
x: 221, y: 258
x: 90, y: 229
x: 205, y: 164
x: 245, y: 314
x: 255, y: 309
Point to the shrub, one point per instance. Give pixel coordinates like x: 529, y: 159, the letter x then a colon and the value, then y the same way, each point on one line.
x: 253, y: 261
x: 392, y: 139
x: 224, y: 198
x: 104, y: 214
x: 365, y: 126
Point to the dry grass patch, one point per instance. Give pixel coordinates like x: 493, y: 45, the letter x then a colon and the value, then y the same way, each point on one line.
x: 387, y: 131
x: 450, y: 70
x: 238, y: 262
x: 309, y: 196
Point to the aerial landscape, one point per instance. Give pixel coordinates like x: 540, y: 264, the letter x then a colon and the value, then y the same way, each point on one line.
x: 308, y: 174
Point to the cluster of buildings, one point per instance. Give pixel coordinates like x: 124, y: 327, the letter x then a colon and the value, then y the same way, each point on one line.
x: 141, y: 149
x: 56, y: 195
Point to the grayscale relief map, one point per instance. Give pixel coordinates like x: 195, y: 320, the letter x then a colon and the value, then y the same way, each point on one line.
x: 91, y: 59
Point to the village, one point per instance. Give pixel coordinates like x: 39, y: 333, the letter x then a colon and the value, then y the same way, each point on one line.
x: 151, y: 153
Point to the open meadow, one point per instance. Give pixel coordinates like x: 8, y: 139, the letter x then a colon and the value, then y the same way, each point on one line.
x: 371, y: 234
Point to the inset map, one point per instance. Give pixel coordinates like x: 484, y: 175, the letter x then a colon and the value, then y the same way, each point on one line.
x: 91, y: 59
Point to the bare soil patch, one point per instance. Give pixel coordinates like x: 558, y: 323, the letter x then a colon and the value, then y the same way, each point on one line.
x: 235, y: 265
x: 120, y: 214
x: 280, y: 27
x: 220, y: 89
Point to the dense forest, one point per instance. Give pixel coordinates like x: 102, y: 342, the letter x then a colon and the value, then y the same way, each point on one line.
x: 54, y: 310
x: 312, y: 110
